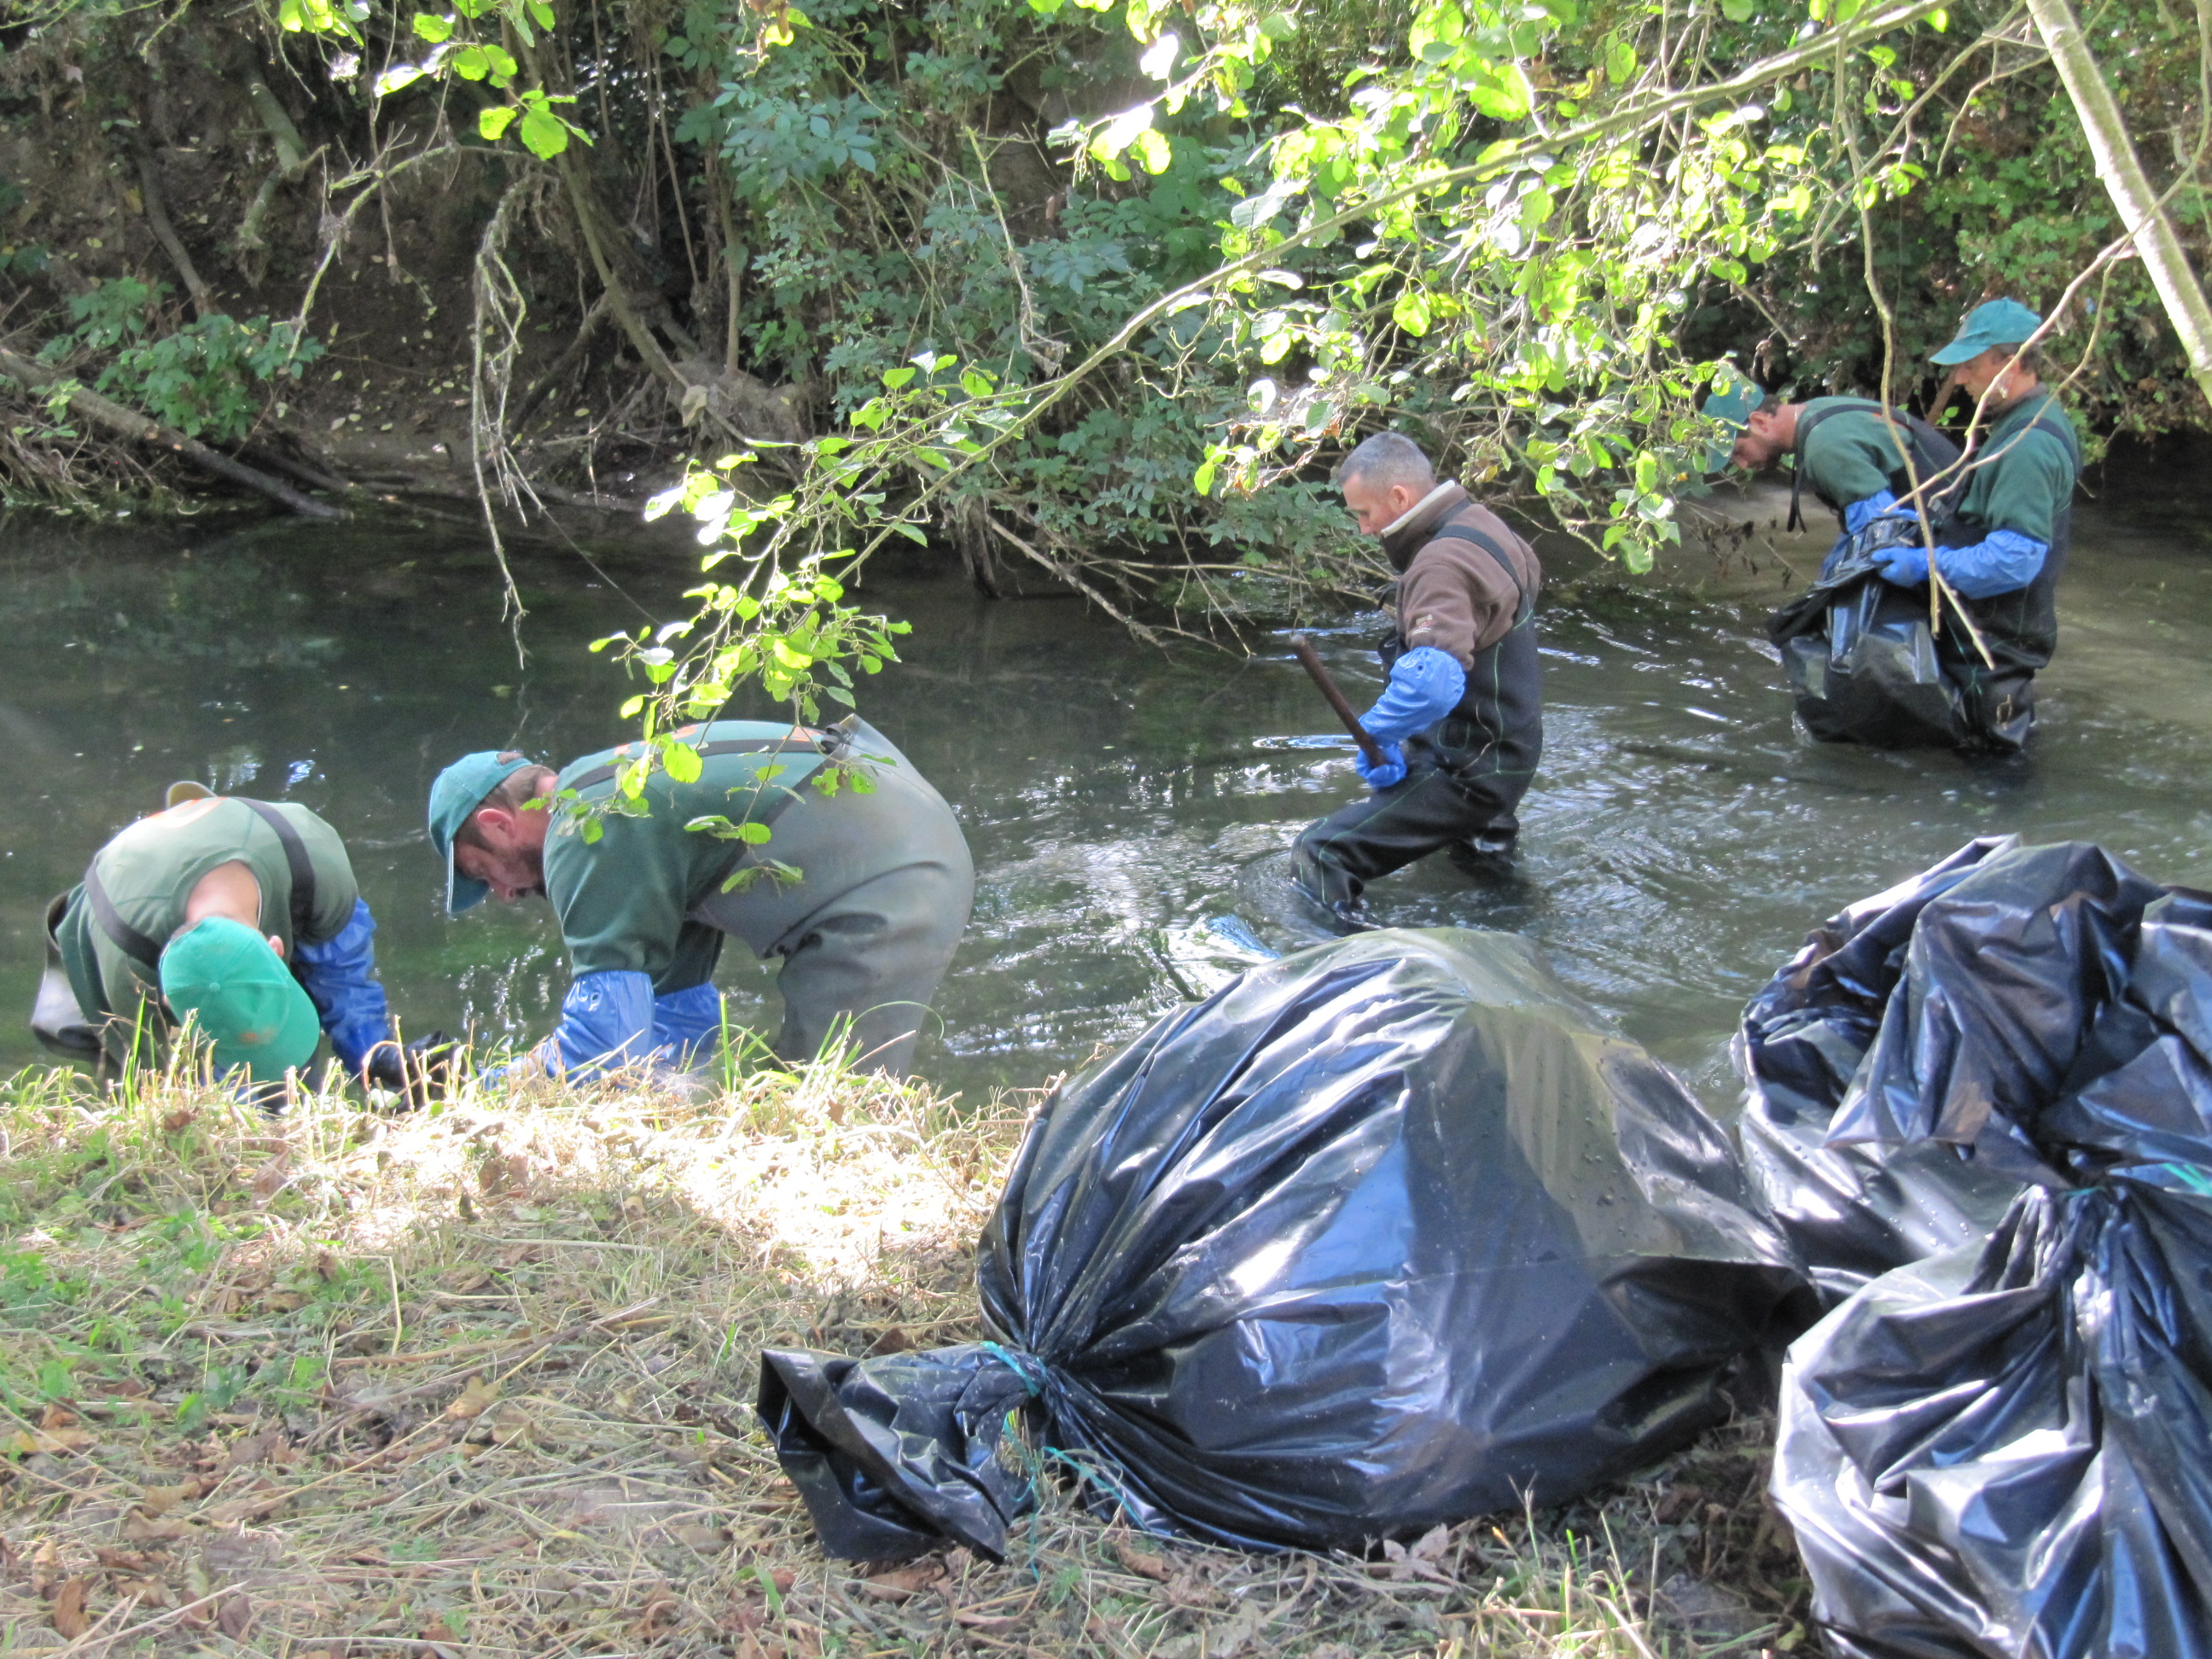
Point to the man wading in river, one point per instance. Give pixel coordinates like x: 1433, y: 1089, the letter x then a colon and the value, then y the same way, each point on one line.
x: 1461, y: 724
x: 1856, y: 646
x: 863, y: 889
x: 241, y: 913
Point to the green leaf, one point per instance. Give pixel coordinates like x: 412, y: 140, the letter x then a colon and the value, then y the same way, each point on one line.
x: 1412, y: 311
x: 540, y: 13
x: 1152, y: 150
x: 1620, y: 62
x: 683, y: 762
x: 492, y: 124
x: 896, y: 378
x: 1739, y: 11
x: 433, y: 29
x: 544, y: 134
x: 975, y: 383
x: 1202, y: 480
x: 470, y: 62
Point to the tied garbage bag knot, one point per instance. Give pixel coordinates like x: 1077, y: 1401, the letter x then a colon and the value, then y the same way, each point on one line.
x: 1382, y: 1235
x: 2002, y: 1447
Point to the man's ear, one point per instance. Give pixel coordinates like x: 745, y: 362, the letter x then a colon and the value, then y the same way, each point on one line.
x: 277, y: 945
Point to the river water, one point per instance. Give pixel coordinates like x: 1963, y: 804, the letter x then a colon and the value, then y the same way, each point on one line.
x: 1128, y: 806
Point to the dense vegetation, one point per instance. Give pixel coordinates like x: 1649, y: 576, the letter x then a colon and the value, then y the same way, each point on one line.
x: 1107, y: 283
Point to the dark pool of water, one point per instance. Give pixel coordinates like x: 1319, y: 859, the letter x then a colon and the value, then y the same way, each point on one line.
x: 1679, y: 840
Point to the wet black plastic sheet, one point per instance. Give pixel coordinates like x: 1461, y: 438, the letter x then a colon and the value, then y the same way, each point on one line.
x: 1387, y: 1233
x: 1862, y: 662
x: 1886, y: 1065
x: 2007, y: 1450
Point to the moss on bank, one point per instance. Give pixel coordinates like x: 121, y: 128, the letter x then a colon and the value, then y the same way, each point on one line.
x: 479, y: 1381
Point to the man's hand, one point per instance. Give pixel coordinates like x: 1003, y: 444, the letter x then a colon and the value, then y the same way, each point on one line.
x: 1391, y: 768
x: 1905, y: 564
x: 426, y: 1070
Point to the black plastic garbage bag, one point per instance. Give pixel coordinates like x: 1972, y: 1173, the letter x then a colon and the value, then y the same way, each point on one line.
x: 1388, y: 1233
x: 1886, y: 1064
x: 2008, y: 1452
x: 1862, y: 662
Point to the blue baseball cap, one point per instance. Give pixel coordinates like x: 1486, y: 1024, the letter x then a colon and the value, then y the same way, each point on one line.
x: 1731, y: 408
x: 1995, y: 323
x: 454, y: 795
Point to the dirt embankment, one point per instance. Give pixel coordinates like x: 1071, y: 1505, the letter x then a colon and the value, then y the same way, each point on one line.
x: 238, y: 182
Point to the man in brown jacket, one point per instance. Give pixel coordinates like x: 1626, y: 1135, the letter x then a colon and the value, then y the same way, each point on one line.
x: 1461, y: 723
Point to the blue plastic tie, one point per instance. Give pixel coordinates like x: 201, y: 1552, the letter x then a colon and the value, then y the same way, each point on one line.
x: 1024, y: 1366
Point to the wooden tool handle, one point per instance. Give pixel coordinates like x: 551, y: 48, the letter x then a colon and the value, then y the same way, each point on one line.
x: 1310, y: 661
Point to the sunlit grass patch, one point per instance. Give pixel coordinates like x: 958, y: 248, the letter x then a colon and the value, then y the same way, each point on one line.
x: 479, y: 1381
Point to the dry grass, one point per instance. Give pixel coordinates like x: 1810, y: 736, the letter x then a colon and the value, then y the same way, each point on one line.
x: 479, y: 1383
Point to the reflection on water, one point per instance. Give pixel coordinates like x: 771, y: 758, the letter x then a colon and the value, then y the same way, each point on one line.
x: 1129, y: 807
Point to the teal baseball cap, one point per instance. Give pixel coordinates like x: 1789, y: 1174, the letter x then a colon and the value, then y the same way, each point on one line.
x: 1994, y: 323
x: 1731, y: 408
x: 455, y: 793
x: 225, y: 977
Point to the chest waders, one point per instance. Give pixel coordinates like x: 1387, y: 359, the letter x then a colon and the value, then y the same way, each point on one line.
x: 1497, y: 727
x: 1864, y: 665
x: 1464, y: 775
x: 1928, y: 453
x: 2020, y: 629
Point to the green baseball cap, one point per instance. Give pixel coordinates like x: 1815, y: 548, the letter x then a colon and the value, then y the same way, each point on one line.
x: 223, y: 976
x: 1995, y: 323
x: 458, y: 791
x: 1732, y: 408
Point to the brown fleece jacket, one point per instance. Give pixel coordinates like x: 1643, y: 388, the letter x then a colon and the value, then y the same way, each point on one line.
x: 1453, y: 595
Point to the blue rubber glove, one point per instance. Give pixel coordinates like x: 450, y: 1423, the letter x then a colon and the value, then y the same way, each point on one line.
x: 339, y: 977
x: 686, y: 1025
x: 2005, y: 562
x: 1426, y: 685
x: 1858, y: 513
x: 606, y: 1023
x: 1392, y: 770
x: 1905, y: 563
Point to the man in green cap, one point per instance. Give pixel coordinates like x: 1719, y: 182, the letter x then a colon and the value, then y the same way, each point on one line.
x: 242, y: 915
x: 1858, y: 458
x: 2001, y: 518
x: 828, y: 849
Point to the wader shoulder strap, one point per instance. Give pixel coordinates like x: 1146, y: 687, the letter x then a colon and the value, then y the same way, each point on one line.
x: 1453, y: 530
x: 147, y: 953
x: 126, y: 939
x: 599, y: 775
x: 1924, y: 457
x: 295, y: 856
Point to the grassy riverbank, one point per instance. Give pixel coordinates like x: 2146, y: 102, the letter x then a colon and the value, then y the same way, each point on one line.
x: 479, y: 1382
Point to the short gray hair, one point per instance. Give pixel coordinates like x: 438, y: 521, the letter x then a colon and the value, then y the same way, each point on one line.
x: 1387, y: 459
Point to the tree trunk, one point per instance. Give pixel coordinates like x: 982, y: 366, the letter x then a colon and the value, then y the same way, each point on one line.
x: 126, y: 422
x: 2117, y: 165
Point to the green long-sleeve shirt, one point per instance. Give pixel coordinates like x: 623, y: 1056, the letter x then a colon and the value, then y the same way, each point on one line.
x: 2021, y: 475
x: 623, y: 899
x: 1848, y: 451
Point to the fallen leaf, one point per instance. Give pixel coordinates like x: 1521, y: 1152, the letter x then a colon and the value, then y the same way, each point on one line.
x: 898, y: 1585
x: 55, y: 1417
x: 1188, y: 1589
x: 139, y: 1530
x: 893, y: 1341
x: 252, y: 1449
x: 233, y: 1614
x: 706, y: 1540
x: 68, y: 1613
x: 475, y: 1398
x: 178, y: 1122
x: 985, y: 1621
x: 28, y: 1442
x: 1144, y: 1562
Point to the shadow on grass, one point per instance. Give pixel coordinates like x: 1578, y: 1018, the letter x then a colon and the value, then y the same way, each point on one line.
x: 479, y: 1381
